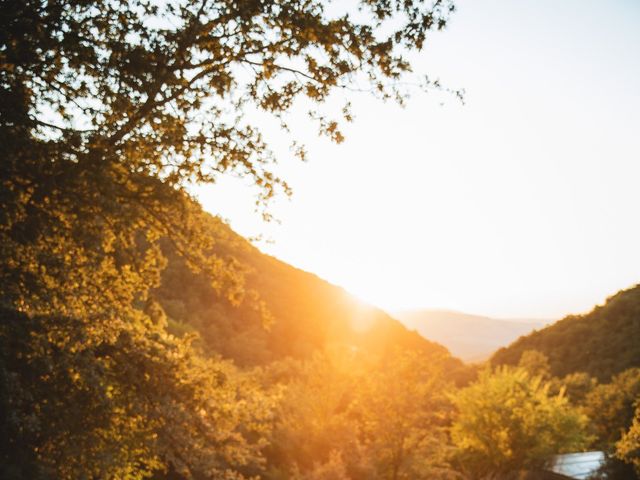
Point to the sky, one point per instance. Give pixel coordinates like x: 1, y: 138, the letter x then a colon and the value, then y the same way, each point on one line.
x: 521, y: 203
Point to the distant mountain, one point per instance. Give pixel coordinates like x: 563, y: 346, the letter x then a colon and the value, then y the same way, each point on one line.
x: 469, y: 337
x: 602, y: 342
x: 309, y: 314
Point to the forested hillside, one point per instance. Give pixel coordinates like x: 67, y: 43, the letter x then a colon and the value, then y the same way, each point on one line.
x: 284, y: 311
x: 601, y: 343
x: 140, y: 337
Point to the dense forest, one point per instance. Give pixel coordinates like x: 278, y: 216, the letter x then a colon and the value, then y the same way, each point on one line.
x: 140, y: 337
x: 602, y: 343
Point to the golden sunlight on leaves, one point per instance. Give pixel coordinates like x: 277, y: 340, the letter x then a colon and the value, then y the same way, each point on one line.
x: 141, y: 337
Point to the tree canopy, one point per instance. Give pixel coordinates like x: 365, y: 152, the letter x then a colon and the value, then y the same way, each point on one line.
x: 628, y: 448
x: 602, y: 343
x: 352, y: 415
x: 610, y: 407
x: 109, y: 110
x: 509, y: 420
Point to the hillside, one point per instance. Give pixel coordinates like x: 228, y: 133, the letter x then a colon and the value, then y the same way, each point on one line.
x: 602, y: 342
x: 308, y: 312
x: 469, y: 337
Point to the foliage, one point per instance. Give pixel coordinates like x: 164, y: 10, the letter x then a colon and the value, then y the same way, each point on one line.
x: 628, y: 448
x: 404, y: 411
x: 108, y: 111
x: 600, y: 343
x: 508, y: 421
x: 364, y: 417
x: 314, y: 428
x: 578, y: 386
x: 535, y: 363
x: 610, y: 407
x: 332, y: 469
x: 120, y: 409
x: 163, y: 90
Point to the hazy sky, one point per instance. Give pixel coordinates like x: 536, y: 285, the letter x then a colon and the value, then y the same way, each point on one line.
x: 522, y: 203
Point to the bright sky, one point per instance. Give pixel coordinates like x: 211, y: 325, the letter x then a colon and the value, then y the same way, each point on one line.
x: 522, y: 203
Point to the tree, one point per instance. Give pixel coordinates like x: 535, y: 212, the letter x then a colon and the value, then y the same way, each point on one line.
x: 123, y: 409
x: 507, y: 421
x: 108, y: 111
x: 628, y: 447
x: 578, y: 386
x: 314, y: 432
x: 353, y: 415
x: 536, y: 363
x: 610, y: 407
x: 404, y: 411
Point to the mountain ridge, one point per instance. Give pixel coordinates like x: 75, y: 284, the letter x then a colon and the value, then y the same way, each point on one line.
x: 470, y: 337
x: 602, y: 342
x: 309, y: 313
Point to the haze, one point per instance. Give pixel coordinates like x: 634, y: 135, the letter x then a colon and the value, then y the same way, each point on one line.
x: 521, y: 203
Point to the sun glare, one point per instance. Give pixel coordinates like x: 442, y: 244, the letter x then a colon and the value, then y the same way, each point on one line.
x: 362, y: 319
